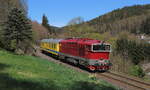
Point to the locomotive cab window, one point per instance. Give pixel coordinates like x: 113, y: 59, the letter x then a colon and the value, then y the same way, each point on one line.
x: 88, y: 48
x: 101, y: 47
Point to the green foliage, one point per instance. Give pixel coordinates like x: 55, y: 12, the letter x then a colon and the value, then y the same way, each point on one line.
x: 45, y: 23
x: 32, y: 73
x: 1, y: 44
x: 125, y: 19
x: 7, y: 5
x: 122, y: 13
x: 146, y: 26
x: 137, y: 71
x: 133, y: 19
x: 134, y: 50
x: 17, y: 30
x: 93, y: 36
x: 79, y: 31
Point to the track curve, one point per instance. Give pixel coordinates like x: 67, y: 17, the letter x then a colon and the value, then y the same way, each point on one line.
x: 120, y: 81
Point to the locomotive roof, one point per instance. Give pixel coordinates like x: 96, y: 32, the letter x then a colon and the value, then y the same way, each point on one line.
x: 51, y: 40
x: 75, y: 40
x: 82, y: 40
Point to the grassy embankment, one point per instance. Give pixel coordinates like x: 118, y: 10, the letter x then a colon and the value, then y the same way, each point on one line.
x: 31, y: 73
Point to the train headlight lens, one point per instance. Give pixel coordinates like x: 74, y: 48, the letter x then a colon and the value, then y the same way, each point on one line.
x: 101, y: 61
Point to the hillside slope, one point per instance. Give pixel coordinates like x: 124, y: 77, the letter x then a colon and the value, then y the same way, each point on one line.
x: 39, y: 32
x: 125, y: 19
x: 122, y: 13
x: 134, y: 19
x: 31, y: 73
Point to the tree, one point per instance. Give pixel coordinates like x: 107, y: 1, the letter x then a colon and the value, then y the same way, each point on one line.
x: 146, y: 26
x: 77, y: 20
x: 17, y: 30
x: 45, y: 23
x: 80, y: 31
x: 7, y: 5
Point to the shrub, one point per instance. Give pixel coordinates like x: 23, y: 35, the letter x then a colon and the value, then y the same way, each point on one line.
x: 132, y: 49
x: 137, y: 71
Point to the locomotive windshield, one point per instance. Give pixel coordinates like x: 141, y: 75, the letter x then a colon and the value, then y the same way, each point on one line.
x: 101, y: 47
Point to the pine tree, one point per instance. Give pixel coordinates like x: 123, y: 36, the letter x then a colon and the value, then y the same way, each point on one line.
x: 45, y: 23
x: 17, y: 30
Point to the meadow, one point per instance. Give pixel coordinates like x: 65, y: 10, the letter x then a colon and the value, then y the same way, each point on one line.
x: 33, y: 73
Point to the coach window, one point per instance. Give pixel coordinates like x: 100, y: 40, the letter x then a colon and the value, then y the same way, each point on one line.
x: 55, y: 46
x: 44, y: 44
x: 49, y: 45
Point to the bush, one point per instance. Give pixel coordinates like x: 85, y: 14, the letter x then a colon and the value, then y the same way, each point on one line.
x: 1, y: 41
x: 132, y: 49
x: 137, y: 71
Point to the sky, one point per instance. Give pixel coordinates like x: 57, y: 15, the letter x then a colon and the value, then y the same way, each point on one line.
x: 60, y: 12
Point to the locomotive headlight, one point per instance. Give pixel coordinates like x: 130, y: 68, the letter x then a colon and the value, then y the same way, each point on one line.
x: 101, y: 61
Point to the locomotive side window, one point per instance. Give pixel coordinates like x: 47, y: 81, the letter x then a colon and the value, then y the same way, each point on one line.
x: 101, y: 47
x: 107, y: 47
x: 88, y: 47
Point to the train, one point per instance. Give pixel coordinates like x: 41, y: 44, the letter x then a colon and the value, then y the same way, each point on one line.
x: 89, y: 53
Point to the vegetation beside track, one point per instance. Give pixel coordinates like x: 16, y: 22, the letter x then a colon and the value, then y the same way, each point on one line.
x: 32, y: 73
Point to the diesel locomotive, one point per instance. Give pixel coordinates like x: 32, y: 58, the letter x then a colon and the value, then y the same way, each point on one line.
x: 90, y: 53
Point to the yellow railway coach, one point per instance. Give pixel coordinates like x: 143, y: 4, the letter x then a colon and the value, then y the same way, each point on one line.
x: 50, y: 45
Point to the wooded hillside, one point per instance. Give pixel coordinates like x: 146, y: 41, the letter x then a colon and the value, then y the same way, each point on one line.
x: 130, y: 19
x: 125, y: 19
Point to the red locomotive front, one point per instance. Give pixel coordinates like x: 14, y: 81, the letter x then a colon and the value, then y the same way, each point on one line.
x: 93, y: 54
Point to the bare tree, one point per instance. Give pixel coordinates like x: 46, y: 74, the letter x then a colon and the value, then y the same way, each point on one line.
x: 77, y: 20
x: 6, y: 5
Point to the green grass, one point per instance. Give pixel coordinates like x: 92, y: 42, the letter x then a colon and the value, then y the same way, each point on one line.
x: 32, y: 73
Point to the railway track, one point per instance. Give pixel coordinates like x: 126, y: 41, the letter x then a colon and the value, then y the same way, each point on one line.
x: 123, y: 82
x: 127, y: 83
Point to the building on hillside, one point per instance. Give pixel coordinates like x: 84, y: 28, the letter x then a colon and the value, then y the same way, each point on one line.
x: 144, y: 37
